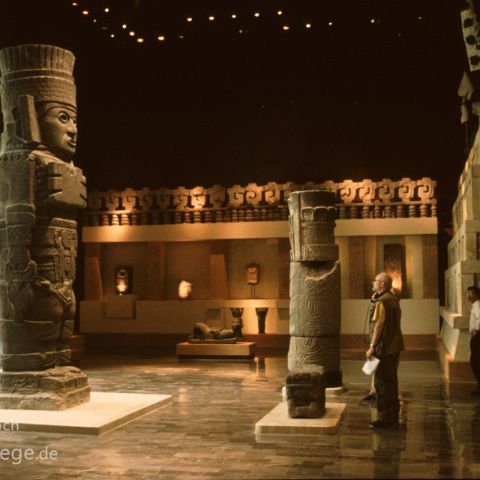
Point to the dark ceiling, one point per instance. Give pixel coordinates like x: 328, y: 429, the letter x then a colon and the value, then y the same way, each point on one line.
x: 371, y: 96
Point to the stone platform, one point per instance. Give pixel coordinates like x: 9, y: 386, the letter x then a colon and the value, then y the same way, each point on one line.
x: 277, y: 421
x: 105, y: 411
x: 240, y: 350
x: 53, y: 389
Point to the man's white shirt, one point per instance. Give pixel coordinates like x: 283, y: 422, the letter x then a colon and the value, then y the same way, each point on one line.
x: 475, y: 317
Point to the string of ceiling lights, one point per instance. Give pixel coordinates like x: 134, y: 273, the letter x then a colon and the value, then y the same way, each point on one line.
x: 103, y: 16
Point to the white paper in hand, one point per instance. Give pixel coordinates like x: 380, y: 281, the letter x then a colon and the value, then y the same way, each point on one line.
x: 370, y: 365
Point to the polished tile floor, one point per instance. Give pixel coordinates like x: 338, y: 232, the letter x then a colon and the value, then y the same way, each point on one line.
x: 208, y: 430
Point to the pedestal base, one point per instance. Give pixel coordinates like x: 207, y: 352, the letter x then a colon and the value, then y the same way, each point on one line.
x: 105, y: 411
x: 216, y: 350
x: 53, y: 389
x: 277, y: 421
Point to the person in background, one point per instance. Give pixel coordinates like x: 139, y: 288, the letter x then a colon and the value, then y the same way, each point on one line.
x: 386, y: 344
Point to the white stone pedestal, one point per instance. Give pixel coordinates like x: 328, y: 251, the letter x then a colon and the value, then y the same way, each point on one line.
x: 104, y: 412
x: 277, y: 421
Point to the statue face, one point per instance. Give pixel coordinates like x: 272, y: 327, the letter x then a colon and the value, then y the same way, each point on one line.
x: 58, y: 128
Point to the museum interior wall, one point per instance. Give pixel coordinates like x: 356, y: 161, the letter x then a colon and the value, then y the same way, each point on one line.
x: 210, y: 237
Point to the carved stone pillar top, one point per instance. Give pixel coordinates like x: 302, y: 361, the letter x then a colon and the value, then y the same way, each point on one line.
x: 312, y: 222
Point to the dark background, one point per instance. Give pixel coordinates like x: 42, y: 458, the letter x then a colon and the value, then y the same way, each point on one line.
x: 353, y: 100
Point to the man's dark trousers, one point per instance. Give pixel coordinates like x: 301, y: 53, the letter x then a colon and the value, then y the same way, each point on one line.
x: 386, y: 387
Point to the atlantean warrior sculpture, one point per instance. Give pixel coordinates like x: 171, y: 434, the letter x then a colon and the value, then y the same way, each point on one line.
x: 314, y: 285
x: 41, y: 192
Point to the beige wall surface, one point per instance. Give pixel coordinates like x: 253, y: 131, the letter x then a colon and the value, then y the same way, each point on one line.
x: 243, y: 252
x: 418, y: 316
x: 188, y: 261
x: 361, y: 258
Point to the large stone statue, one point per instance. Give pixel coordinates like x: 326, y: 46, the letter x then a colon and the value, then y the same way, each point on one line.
x: 41, y: 192
x: 314, y: 284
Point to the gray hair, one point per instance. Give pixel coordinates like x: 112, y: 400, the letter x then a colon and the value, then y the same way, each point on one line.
x: 386, y: 279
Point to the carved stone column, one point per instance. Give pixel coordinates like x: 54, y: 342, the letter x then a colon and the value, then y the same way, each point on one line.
x: 314, y: 284
x: 42, y: 192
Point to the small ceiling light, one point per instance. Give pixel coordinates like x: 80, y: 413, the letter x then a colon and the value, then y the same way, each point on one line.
x: 124, y: 26
x: 372, y: 20
x: 161, y: 38
x: 286, y: 27
x: 234, y: 15
x: 74, y: 4
x: 256, y: 14
x: 279, y: 12
x: 330, y: 24
x: 140, y: 40
x: 420, y: 18
x: 106, y: 10
x: 94, y: 20
x: 308, y: 25
x: 189, y: 19
x: 112, y: 35
x: 181, y: 37
x: 85, y: 12
x: 131, y: 33
x: 240, y: 31
x: 211, y: 18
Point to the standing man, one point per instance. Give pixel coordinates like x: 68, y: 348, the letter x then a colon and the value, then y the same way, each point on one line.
x: 386, y: 344
x: 474, y: 299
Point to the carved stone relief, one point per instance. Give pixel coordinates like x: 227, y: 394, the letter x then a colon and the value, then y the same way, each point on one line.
x: 38, y: 227
x: 314, y: 285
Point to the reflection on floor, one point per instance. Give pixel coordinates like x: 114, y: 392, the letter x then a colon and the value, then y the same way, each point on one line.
x: 208, y: 430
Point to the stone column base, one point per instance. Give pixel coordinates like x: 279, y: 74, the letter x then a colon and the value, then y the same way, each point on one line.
x: 53, y: 389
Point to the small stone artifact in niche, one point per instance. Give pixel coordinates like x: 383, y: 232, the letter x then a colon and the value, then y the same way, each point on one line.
x: 184, y: 289
x: 202, y: 333
x: 305, y: 388
x: 123, y: 280
x: 253, y: 273
x: 253, y: 277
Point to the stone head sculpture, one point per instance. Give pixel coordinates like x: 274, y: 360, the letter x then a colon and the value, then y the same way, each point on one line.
x: 38, y: 97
